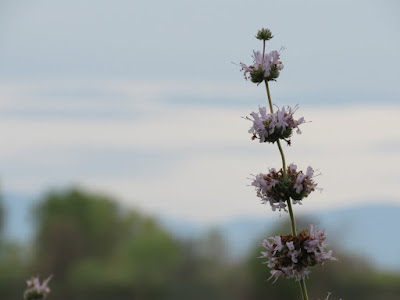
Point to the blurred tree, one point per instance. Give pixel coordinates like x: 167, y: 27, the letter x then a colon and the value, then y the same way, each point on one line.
x: 13, y: 270
x: 205, y: 271
x: 2, y: 217
x: 213, y: 247
x: 72, y: 225
x: 99, y: 251
x: 13, y: 263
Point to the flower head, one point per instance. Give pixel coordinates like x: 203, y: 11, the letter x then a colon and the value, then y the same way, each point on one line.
x: 276, y: 187
x: 290, y: 256
x: 265, y: 66
x: 274, y: 126
x: 264, y: 34
x: 35, y: 290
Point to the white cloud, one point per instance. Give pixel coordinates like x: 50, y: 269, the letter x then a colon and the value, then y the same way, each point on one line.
x: 197, y: 156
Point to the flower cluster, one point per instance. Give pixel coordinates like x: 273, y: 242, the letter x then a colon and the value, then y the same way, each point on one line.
x: 274, y: 126
x: 277, y: 187
x: 35, y: 290
x: 265, y: 66
x: 290, y: 256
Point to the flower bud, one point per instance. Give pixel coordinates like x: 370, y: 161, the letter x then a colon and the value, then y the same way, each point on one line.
x: 257, y: 75
x: 264, y: 34
x: 31, y: 294
x: 273, y: 73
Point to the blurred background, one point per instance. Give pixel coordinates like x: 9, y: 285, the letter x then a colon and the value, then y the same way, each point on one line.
x: 124, y: 160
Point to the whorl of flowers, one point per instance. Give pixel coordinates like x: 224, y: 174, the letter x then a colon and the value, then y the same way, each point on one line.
x: 274, y: 126
x: 265, y: 67
x: 276, y: 187
x: 35, y: 290
x: 290, y: 256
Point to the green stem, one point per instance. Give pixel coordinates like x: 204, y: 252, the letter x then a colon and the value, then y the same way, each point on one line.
x: 269, y: 98
x: 292, y: 220
x: 303, y: 289
x: 283, y: 156
x: 262, y: 63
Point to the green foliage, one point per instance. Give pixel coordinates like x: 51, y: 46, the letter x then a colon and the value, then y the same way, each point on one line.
x: 95, y: 248
x: 13, y: 271
x: 96, y: 251
x: 2, y: 215
x: 73, y: 225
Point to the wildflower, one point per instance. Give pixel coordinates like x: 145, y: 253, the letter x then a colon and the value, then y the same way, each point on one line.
x: 274, y: 126
x: 276, y: 188
x: 265, y: 66
x: 290, y: 256
x: 35, y: 290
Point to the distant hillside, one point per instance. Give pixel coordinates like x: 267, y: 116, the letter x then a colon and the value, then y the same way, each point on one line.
x: 368, y: 231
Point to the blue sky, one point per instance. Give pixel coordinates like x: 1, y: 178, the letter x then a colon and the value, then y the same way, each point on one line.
x: 141, y: 100
x: 331, y: 44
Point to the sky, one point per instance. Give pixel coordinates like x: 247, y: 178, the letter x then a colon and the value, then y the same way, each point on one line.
x: 144, y: 101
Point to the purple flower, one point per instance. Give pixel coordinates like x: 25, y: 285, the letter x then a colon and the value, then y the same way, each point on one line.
x: 274, y: 126
x: 264, y: 67
x: 290, y: 256
x: 37, y: 290
x: 276, y: 188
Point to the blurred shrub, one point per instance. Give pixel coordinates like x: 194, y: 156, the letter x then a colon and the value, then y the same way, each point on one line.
x: 95, y: 250
x: 98, y: 251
